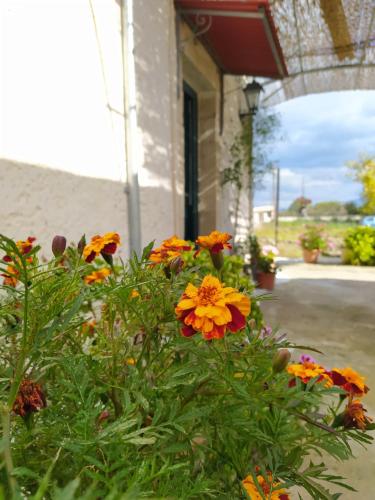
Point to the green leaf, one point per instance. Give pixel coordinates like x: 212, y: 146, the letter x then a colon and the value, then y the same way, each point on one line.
x: 67, y: 493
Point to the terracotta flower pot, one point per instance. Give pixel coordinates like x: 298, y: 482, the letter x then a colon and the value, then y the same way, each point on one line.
x: 266, y: 280
x: 310, y: 256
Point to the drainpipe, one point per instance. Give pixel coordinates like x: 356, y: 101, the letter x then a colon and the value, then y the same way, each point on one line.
x: 130, y: 126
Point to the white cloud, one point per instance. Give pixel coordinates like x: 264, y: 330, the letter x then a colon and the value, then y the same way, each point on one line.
x: 321, y: 133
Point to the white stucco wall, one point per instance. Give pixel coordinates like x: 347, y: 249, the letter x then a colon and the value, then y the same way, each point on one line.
x: 62, y: 150
x: 61, y: 112
x: 42, y: 202
x: 159, y: 119
x: 62, y: 162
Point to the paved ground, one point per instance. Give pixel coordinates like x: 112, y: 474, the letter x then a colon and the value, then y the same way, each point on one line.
x: 332, y: 308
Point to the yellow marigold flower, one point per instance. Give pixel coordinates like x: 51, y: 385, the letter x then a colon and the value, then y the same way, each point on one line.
x: 106, y: 244
x: 130, y: 361
x: 215, y: 241
x: 267, y: 486
x: 97, y: 276
x: 350, y: 380
x: 307, y: 371
x: 212, y: 309
x: 134, y: 294
x: 170, y: 249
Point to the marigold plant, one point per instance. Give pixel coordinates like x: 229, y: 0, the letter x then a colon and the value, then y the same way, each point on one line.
x: 159, y: 380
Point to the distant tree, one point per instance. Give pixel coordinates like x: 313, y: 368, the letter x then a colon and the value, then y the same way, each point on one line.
x: 363, y: 171
x: 351, y: 208
x: 299, y: 205
x: 327, y: 208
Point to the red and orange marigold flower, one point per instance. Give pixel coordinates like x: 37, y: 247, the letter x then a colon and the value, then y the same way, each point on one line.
x: 26, y: 246
x: 30, y: 398
x: 349, y: 380
x: 307, y: 370
x: 354, y: 416
x: 88, y: 327
x: 271, y: 489
x: 169, y: 250
x: 97, y: 276
x: 11, y: 274
x: 212, y: 309
x: 106, y: 244
x: 215, y: 241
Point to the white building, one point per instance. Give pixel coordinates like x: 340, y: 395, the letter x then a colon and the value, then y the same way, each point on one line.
x: 95, y: 93
x: 263, y: 214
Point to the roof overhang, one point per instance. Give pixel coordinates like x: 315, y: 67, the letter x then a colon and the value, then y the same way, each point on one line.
x: 240, y: 35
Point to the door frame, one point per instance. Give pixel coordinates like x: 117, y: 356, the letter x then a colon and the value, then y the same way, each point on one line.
x: 191, y: 220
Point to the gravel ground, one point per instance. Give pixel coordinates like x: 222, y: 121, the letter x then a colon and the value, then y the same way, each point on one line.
x: 332, y: 307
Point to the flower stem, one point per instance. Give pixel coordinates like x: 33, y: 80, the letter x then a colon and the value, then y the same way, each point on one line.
x: 5, y: 419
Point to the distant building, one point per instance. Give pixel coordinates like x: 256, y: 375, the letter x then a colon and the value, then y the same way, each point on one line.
x: 263, y: 214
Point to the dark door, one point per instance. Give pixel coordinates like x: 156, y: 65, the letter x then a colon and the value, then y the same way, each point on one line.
x: 191, y: 162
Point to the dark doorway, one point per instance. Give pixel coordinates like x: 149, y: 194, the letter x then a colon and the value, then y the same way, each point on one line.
x: 191, y: 162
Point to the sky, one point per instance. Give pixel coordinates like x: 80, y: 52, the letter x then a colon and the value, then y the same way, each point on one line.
x: 320, y: 133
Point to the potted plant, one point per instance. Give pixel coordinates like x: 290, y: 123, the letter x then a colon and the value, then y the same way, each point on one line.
x: 267, y: 267
x: 312, y: 242
x: 263, y: 265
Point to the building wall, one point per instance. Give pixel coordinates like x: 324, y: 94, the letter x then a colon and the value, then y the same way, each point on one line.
x: 62, y: 149
x: 62, y: 165
x: 159, y: 113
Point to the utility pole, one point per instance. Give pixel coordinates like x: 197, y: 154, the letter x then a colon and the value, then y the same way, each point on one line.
x: 276, y: 173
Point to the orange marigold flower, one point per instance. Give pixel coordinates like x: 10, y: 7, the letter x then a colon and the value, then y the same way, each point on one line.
x: 106, y: 244
x: 11, y: 276
x: 134, y: 294
x: 351, y: 381
x: 354, y: 416
x: 170, y: 249
x: 30, y: 398
x: 308, y: 370
x: 97, y: 276
x: 212, y: 309
x: 215, y: 241
x: 267, y: 485
x: 88, y: 327
x: 23, y: 246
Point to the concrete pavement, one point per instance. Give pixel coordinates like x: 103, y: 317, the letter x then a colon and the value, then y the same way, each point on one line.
x: 332, y: 307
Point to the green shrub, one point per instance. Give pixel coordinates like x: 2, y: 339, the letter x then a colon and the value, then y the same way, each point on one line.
x: 359, y: 246
x: 101, y: 396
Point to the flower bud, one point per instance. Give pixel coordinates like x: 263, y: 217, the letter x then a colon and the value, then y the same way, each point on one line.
x: 104, y: 416
x: 252, y: 324
x: 107, y: 257
x: 176, y: 265
x: 280, y: 360
x: 58, y: 245
x: 81, y: 244
x: 217, y: 259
